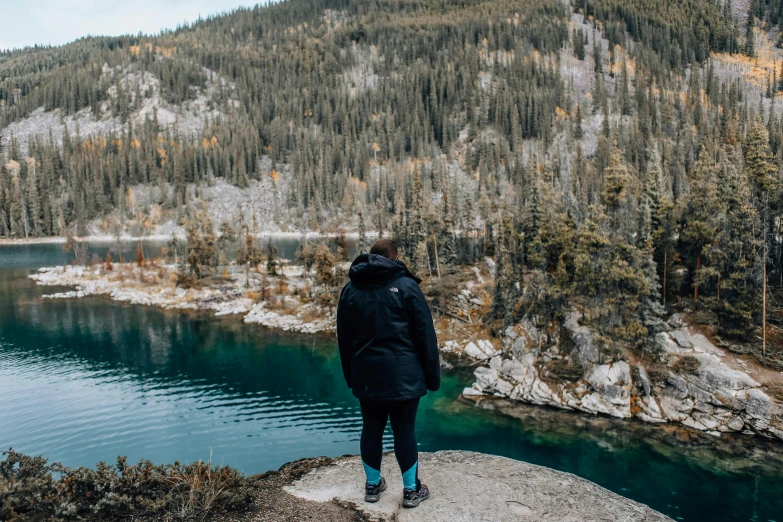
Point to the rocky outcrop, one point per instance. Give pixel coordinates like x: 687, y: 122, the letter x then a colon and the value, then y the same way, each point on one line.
x: 707, y: 394
x: 498, y: 489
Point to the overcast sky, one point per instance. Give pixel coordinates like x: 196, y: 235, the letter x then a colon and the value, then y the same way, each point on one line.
x: 55, y: 22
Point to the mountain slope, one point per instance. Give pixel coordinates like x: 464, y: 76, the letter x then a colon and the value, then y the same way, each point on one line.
x: 609, y: 154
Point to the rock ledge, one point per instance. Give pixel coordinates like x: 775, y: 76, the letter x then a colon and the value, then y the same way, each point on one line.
x: 472, y: 486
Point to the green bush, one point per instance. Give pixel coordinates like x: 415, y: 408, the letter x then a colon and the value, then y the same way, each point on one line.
x: 29, y: 490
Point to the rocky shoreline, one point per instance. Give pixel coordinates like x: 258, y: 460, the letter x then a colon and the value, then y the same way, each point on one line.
x: 151, y: 285
x: 715, y: 393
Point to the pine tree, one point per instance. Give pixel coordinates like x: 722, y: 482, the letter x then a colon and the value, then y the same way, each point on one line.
x: 700, y: 219
x: 17, y: 211
x: 227, y: 239
x: 750, y: 35
x: 651, y: 309
x: 598, y: 65
x: 201, y: 254
x: 448, y: 247
x: 361, y: 247
x: 624, y: 94
x: 759, y: 161
x: 616, y: 181
x: 578, y: 131
x: 33, y: 200
x: 272, y: 264
x: 737, y: 299
x: 579, y: 40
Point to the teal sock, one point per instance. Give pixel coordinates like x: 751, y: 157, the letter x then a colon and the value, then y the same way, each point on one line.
x: 373, y: 475
x: 409, y: 477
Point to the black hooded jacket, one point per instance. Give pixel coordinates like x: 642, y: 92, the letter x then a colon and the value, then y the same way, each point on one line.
x: 387, y: 340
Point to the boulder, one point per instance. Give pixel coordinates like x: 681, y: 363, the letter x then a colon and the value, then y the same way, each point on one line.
x: 472, y: 350
x: 665, y: 343
x: 481, y: 349
x: 513, y: 369
x: 486, y: 378
x: 682, y: 337
x: 757, y: 404
x: 718, y: 375
x: 597, y: 403
x: 676, y: 321
x: 649, y: 410
x: 519, y: 346
x: 582, y: 339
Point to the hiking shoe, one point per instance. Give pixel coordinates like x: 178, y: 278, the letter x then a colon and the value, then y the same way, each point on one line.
x: 411, y: 498
x: 373, y: 493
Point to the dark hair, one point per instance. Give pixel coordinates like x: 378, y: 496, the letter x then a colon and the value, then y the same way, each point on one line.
x: 384, y: 247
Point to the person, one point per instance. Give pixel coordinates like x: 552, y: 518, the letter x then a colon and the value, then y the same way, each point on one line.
x: 389, y: 355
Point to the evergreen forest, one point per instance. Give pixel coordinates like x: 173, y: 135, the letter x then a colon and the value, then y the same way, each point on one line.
x: 621, y: 158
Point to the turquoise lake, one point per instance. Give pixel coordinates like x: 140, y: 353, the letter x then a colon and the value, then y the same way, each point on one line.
x: 87, y: 380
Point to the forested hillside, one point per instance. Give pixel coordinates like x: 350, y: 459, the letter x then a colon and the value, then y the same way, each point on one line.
x: 613, y: 156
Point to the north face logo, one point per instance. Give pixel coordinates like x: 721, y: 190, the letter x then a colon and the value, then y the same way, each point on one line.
x: 393, y: 289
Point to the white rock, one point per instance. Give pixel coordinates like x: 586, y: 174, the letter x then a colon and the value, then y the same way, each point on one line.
x: 513, y: 369
x: 503, y: 388
x: 674, y: 409
x: 486, y: 378
x: 471, y: 392
x: 491, y: 266
x: 651, y: 412
x: 619, y: 373
x: 501, y: 490
x: 487, y: 348
x: 472, y: 350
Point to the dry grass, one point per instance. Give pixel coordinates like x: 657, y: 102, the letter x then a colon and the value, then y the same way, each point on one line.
x: 564, y: 370
x: 775, y: 390
x: 33, y: 490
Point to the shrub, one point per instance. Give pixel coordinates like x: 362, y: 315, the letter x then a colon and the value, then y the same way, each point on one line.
x: 657, y: 373
x: 686, y: 364
x: 29, y: 491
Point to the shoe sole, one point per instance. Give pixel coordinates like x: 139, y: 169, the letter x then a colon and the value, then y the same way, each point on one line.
x: 372, y: 499
x: 414, y: 503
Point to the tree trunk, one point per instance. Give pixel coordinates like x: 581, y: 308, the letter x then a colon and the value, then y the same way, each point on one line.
x: 437, y: 259
x: 764, y: 291
x: 665, y: 272
x: 696, y: 285
x: 429, y: 264
x: 719, y: 288
x: 764, y: 300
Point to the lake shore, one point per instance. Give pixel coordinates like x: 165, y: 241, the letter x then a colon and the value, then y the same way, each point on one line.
x: 715, y: 393
x: 180, y: 236
x: 285, y: 307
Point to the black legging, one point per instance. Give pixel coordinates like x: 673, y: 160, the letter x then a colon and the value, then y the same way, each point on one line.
x: 403, y: 423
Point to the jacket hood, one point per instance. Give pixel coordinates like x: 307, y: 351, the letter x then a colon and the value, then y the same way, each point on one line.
x: 372, y: 269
